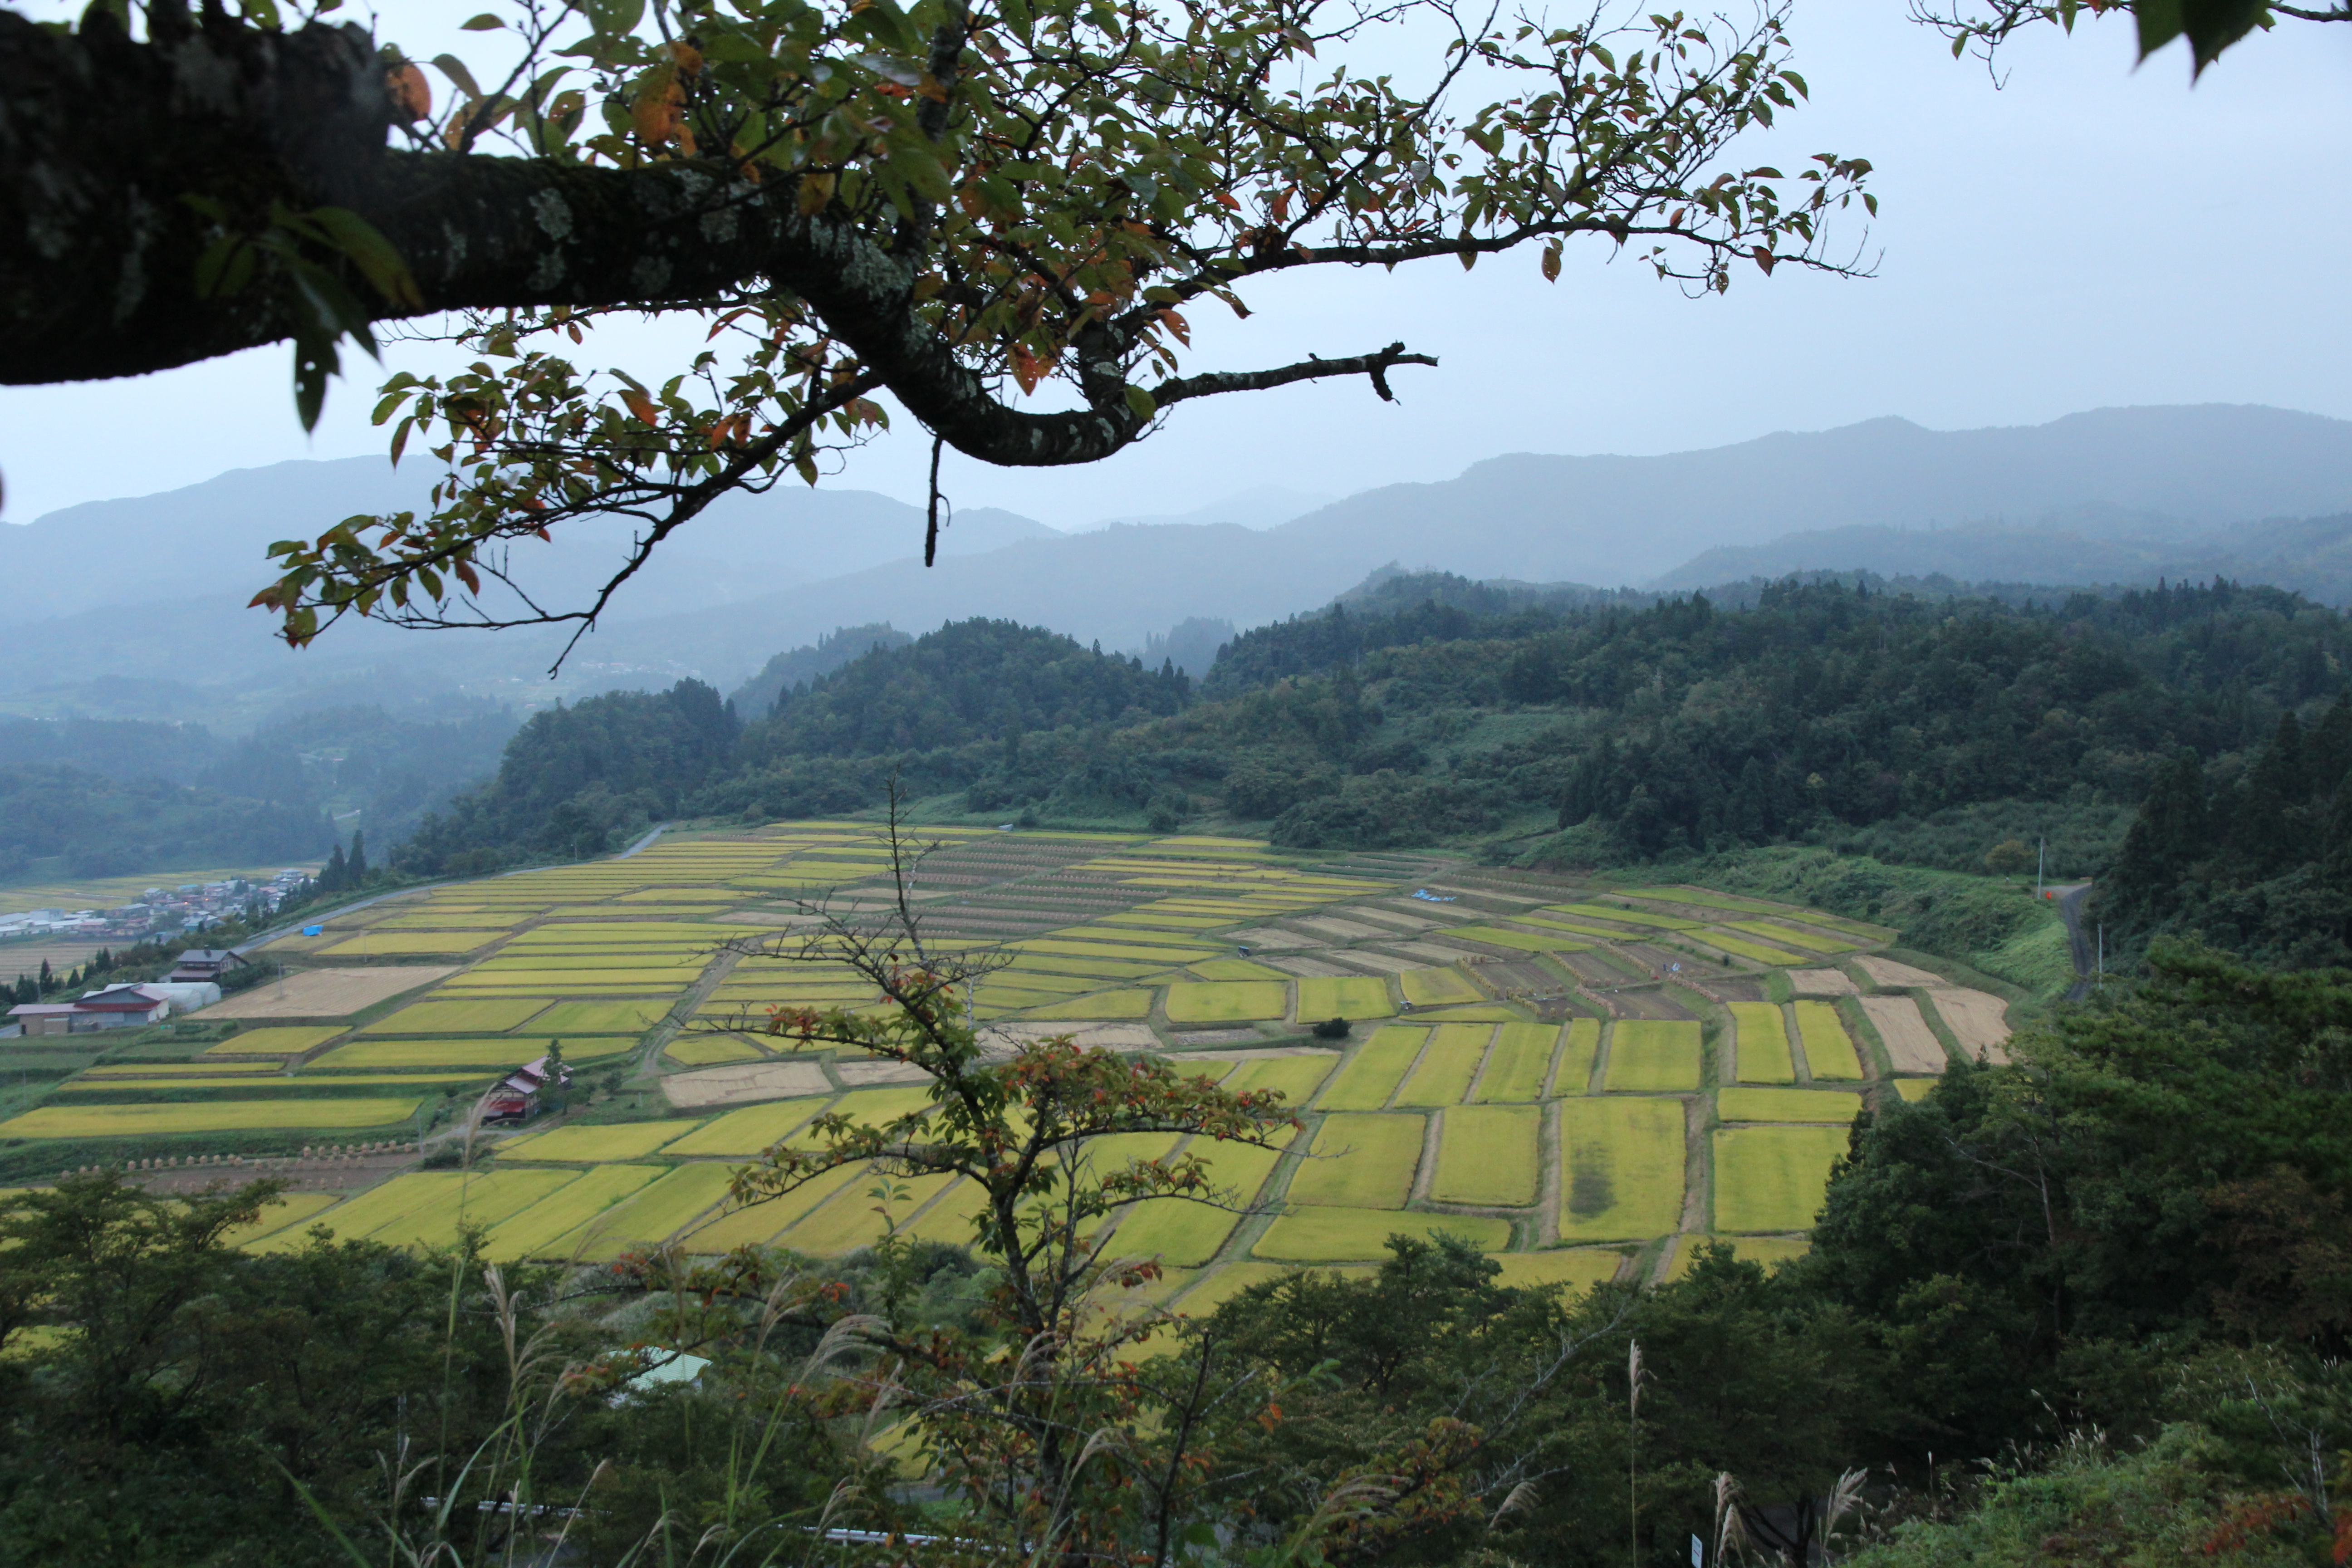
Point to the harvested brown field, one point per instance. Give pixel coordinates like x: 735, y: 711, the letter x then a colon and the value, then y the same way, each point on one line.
x: 1662, y: 959
x: 1896, y: 976
x: 60, y: 955
x: 328, y: 993
x: 1977, y: 1019
x: 1597, y: 968
x: 1911, y: 1046
x: 1822, y: 982
x: 745, y: 1084
x: 867, y: 1074
x: 1647, y: 1003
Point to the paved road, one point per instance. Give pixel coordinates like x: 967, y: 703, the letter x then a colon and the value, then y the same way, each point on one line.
x: 2070, y: 909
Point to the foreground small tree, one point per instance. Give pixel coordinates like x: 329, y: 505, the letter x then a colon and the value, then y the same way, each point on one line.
x: 998, y: 213
x: 1054, y: 1418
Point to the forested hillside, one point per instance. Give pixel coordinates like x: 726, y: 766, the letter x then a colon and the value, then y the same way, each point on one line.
x: 2253, y: 853
x: 105, y: 827
x: 796, y: 666
x: 574, y: 779
x: 124, y: 795
x: 1928, y: 727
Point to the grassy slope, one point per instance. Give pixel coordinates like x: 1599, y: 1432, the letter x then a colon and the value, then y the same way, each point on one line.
x: 1992, y: 924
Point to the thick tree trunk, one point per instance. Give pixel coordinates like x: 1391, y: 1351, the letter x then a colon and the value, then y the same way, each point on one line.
x: 101, y: 136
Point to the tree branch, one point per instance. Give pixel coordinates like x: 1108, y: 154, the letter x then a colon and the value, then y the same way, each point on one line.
x: 299, y: 119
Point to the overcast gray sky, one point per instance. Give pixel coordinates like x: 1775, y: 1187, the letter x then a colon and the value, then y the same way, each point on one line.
x: 2092, y: 235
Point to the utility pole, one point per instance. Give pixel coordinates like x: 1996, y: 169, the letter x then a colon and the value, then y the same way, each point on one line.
x: 2040, y: 857
x: 2102, y: 950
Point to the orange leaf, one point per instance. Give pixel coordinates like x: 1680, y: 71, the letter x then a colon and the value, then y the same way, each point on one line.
x: 411, y: 94
x: 642, y: 406
x: 1026, y: 368
x: 1225, y: 198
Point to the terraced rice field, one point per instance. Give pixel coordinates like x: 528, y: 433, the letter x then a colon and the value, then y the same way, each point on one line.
x: 1489, y: 1155
x: 1295, y: 1077
x: 710, y: 1050
x: 1361, y: 1162
x: 1436, y: 987
x: 1578, y: 1268
x: 1519, y: 1064
x: 1538, y: 941
x: 1763, y: 1044
x: 1838, y: 1105
x: 206, y: 1116
x: 593, y: 1145
x: 1373, y: 1073
x: 751, y: 1131
x: 1226, y: 1001
x: 1622, y: 1165
x: 1829, y: 1049
x: 1580, y: 1050
x: 1772, y: 1178
x: 1343, y: 996
x: 1650, y: 1055
x: 1447, y: 1067
x: 1911, y: 1046
x: 1336, y: 1235
x: 483, y: 1199
x: 1478, y: 1008
x: 275, y: 1042
x: 1766, y: 1250
x: 490, y: 1055
x: 488, y: 1017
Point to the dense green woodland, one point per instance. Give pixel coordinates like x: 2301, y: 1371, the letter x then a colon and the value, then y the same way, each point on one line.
x: 116, y: 796
x: 1560, y: 727
x: 2094, y: 1306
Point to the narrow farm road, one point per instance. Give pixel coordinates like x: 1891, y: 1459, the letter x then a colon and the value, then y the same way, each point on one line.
x: 2070, y: 909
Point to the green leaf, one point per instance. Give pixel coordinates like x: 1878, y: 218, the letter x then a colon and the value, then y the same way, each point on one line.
x: 357, y: 239
x: 485, y: 23
x: 460, y: 76
x: 1139, y: 403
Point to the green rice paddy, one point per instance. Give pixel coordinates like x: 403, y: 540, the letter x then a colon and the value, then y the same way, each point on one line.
x: 1579, y: 1050
x: 1372, y: 1074
x: 456, y: 1017
x: 1339, y: 1234
x: 1829, y: 1049
x: 1436, y: 987
x: 1772, y: 1178
x: 1622, y: 1165
x: 1489, y: 1154
x: 1446, y: 1069
x: 1361, y: 1162
x: 1343, y: 996
x: 1227, y: 1001
x: 1518, y: 1064
x: 1653, y: 1056
x: 1838, y: 1105
x: 1763, y: 1044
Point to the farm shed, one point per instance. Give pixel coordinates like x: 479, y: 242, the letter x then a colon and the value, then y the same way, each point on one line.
x: 516, y: 1097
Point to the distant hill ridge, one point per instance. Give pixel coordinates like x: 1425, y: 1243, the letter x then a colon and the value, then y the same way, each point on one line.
x: 761, y: 574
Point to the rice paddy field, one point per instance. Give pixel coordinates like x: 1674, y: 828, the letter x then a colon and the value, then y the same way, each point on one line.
x: 1582, y: 1081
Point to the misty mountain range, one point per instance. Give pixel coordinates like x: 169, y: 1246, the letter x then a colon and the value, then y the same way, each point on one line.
x: 142, y: 600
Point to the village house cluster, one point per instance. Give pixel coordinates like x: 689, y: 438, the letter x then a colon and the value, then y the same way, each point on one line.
x: 159, y: 912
